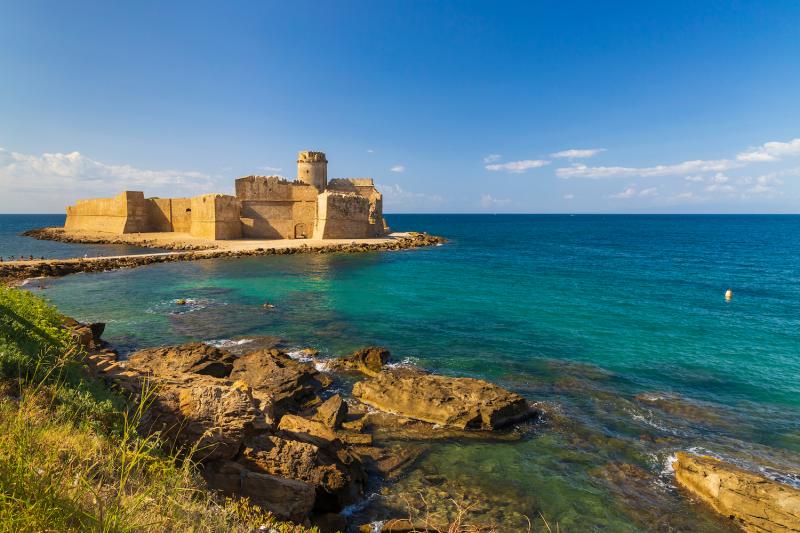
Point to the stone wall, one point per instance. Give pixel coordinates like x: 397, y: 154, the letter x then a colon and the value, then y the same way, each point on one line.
x: 216, y: 216
x: 274, y: 208
x: 169, y: 214
x: 125, y: 213
x: 364, y: 187
x: 343, y: 216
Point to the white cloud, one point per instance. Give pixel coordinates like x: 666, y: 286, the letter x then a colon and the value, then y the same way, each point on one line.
x: 517, y: 167
x: 370, y: 151
x: 398, y: 168
x: 270, y: 169
x: 630, y: 192
x: 699, y: 165
x: 575, y: 153
x: 488, y: 201
x: 650, y: 191
x: 75, y: 172
x: 395, y: 197
x: 694, y: 178
x: 569, y: 196
x: 719, y: 183
x: 771, y: 151
x: 491, y: 158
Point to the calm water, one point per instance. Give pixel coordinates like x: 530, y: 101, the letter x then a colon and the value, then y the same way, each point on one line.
x: 12, y: 244
x: 617, y: 324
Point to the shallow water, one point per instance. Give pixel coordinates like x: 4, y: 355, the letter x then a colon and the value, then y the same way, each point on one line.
x: 13, y: 245
x: 616, y: 324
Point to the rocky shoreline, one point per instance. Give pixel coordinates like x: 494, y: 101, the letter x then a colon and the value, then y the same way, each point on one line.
x: 306, y: 437
x: 17, y: 271
x: 266, y: 426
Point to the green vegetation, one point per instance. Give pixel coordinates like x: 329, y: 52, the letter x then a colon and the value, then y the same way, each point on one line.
x: 70, y: 458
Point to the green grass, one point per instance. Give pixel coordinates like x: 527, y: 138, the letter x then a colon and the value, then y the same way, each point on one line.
x: 70, y: 458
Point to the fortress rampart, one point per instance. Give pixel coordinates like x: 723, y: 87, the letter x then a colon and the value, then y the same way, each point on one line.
x: 264, y: 207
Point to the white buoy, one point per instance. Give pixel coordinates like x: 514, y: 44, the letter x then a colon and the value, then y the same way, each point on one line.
x: 728, y: 294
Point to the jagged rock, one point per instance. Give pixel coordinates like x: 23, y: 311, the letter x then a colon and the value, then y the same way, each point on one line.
x: 369, y: 361
x: 332, y: 411
x: 289, y: 383
x: 335, y: 473
x: 305, y: 430
x: 753, y: 501
x: 193, y: 358
x: 289, y: 499
x: 209, y: 414
x: 87, y: 335
x: 460, y: 403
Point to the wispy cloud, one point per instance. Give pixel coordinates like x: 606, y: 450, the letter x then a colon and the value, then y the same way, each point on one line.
x: 398, y: 168
x: 395, y: 197
x: 488, y: 201
x: 575, y: 153
x: 771, y: 151
x: 270, y: 169
x: 568, y: 196
x: 633, y: 192
x: 686, y: 167
x: 57, y: 179
x: 630, y: 192
x: 694, y: 178
x: 517, y: 167
x: 491, y: 158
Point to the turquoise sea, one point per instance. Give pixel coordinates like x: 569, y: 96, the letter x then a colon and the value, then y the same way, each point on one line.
x: 617, y: 325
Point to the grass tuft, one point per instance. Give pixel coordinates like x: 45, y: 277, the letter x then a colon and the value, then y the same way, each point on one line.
x: 72, y: 459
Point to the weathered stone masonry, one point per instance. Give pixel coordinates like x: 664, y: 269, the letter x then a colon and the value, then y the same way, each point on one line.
x: 264, y: 207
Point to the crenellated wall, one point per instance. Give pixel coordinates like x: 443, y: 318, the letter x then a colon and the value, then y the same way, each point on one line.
x: 275, y: 208
x: 265, y: 207
x: 342, y: 216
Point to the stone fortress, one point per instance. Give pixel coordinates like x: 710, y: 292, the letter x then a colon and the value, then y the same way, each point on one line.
x: 264, y: 207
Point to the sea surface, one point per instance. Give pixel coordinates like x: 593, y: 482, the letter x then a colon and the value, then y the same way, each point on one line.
x: 616, y: 325
x: 13, y: 245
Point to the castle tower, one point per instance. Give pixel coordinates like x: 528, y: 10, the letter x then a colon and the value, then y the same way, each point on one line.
x: 312, y: 168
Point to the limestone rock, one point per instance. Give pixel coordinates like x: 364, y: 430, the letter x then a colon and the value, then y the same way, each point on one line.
x: 194, y: 358
x: 460, y: 403
x: 753, y: 501
x: 369, y: 361
x: 290, y: 383
x: 335, y: 473
x: 289, y: 499
x: 332, y: 412
x: 305, y: 430
x: 211, y: 415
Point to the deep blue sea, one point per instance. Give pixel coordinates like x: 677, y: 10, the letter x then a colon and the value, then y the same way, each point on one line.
x: 617, y: 325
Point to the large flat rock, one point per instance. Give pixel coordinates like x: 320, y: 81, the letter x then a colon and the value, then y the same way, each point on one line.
x: 753, y: 501
x: 460, y: 403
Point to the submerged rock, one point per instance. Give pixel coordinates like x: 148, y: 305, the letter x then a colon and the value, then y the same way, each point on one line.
x: 460, y: 403
x: 193, y: 358
x: 753, y: 501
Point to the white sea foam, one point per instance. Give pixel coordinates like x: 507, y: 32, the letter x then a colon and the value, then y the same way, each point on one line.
x: 360, y: 505
x: 227, y: 343
x: 300, y: 355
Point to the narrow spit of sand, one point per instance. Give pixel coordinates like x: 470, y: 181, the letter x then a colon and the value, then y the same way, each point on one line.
x: 184, y: 247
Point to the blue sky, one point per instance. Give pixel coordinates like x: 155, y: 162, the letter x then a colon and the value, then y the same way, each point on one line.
x: 452, y: 107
